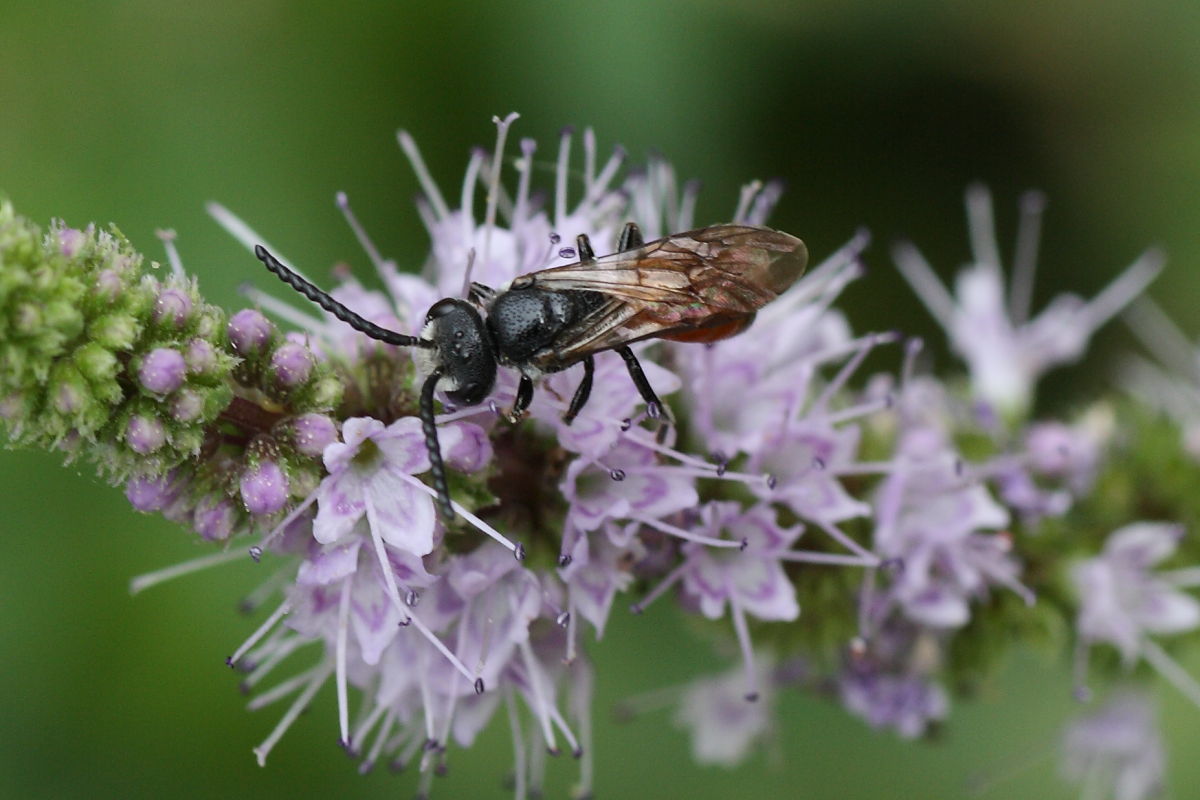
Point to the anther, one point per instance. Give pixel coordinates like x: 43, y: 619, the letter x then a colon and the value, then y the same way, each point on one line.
x: 771, y: 481
x: 555, y: 238
x: 563, y: 618
x: 411, y: 598
x: 565, y: 560
x: 654, y: 410
x: 751, y: 697
x: 626, y: 424
x: 577, y: 752
x: 256, y: 553
x: 519, y: 552
x: 635, y: 608
x: 404, y: 623
x: 617, y: 474
x: 745, y: 543
x: 479, y: 687
x: 566, y: 252
x: 818, y: 463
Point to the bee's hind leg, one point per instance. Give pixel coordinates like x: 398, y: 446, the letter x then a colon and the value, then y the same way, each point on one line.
x: 582, y: 393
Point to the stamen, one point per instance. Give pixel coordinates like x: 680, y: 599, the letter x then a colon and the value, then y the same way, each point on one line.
x: 239, y: 230
x: 321, y: 674
x: 764, y: 204
x: 263, y: 667
x: 282, y: 690
x: 743, y: 637
x: 687, y: 535
x: 912, y: 349
x: 1185, y: 578
x: 524, y: 169
x: 600, y: 184
x: 360, y: 233
x: 581, y: 705
x: 467, y: 515
x: 271, y: 621
x: 426, y: 180
x: 560, y: 178
x: 1170, y: 669
x: 924, y: 281
x: 1118, y: 294
x: 167, y: 237
x: 569, y: 620
x: 589, y: 161
x: 666, y: 583
x: 538, y: 705
x: 982, y: 226
x: 145, y: 581
x: 518, y: 740
x: 289, y: 519
x: 372, y: 758
x: 865, y: 346
x: 687, y: 204
x: 493, y: 194
x: 843, y: 539
x: 343, y: 625
x: 259, y: 595
x: 467, y: 202
x: 364, y: 727
x: 747, y: 194
x: 1029, y: 234
x: 469, y: 271
x: 561, y: 724
x: 813, y: 557
x: 860, y: 410
x: 1162, y: 337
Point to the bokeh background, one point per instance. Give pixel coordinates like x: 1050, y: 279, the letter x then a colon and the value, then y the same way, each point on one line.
x: 875, y: 113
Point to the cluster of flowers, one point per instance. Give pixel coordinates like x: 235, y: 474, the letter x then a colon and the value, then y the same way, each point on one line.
x: 912, y: 511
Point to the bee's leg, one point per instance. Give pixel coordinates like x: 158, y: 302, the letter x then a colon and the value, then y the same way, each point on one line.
x: 523, y: 399
x: 631, y: 238
x: 583, y: 245
x: 654, y: 407
x: 437, y: 468
x: 582, y: 393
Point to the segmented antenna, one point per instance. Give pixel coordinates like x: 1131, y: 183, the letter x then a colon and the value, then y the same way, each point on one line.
x: 334, y: 307
x: 437, y: 468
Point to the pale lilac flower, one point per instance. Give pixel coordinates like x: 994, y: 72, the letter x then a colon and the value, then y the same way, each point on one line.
x: 1116, y: 751
x: 909, y: 704
x: 724, y: 727
x: 1124, y: 603
x: 1007, y: 351
x: 626, y: 483
x: 1172, y: 385
x: 162, y: 370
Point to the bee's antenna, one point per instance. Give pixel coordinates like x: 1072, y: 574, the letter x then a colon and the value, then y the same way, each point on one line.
x: 334, y: 307
x: 437, y: 468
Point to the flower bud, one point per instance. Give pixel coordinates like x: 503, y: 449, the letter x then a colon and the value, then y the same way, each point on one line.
x: 108, y: 286
x: 144, y: 434
x: 187, y: 405
x: 148, y: 493
x: 312, y: 433
x: 162, y: 370
x: 249, y: 332
x: 264, y: 488
x: 70, y: 240
x: 327, y: 393
x: 115, y: 331
x: 200, y: 357
x: 68, y: 391
x: 172, y: 307
x: 97, y: 363
x: 291, y: 364
x: 214, y: 518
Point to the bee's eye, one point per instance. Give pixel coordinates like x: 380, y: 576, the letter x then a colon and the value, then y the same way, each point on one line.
x: 441, y: 308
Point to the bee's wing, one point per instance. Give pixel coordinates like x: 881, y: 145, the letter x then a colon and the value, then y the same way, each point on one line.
x: 711, y: 279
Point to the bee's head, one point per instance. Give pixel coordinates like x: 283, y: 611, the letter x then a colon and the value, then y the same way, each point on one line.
x: 462, y: 351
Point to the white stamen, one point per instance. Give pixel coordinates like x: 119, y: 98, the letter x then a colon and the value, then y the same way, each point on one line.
x: 320, y: 675
x: 167, y: 237
x: 1169, y: 668
x: 561, y: 724
x: 428, y: 218
x: 146, y: 580
x: 581, y: 704
x: 560, y: 181
x: 867, y: 344
x: 687, y: 204
x: 811, y: 557
x: 924, y: 281
x: 743, y: 637
x: 680, y: 533
x: 860, y: 410
x: 389, y: 720
x: 982, y: 226
x: 277, y: 654
x: 464, y: 513
x: 844, y: 540
x: 1118, y: 294
x: 368, y: 722
x: 866, y: 599
x: 538, y: 704
x: 1163, y: 338
x: 426, y: 703
x: 518, y: 740
x: 600, y: 184
x: 289, y: 519
x: 747, y: 195
x: 467, y: 273
x: 572, y: 628
x: 666, y: 583
x: 865, y: 468
x: 467, y: 201
x: 1029, y: 232
x: 426, y: 180
x: 282, y: 690
x: 1185, y: 578
x: 239, y: 230
x: 360, y: 233
x: 493, y: 194
x: 589, y: 161
x: 912, y: 349
x: 343, y: 625
x: 524, y: 168
x: 262, y: 630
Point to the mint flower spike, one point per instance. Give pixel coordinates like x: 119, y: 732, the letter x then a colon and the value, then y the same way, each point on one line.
x: 1006, y: 352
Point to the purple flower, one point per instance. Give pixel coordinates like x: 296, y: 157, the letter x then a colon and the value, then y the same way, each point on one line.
x: 724, y: 727
x: 1006, y: 351
x: 312, y: 433
x: 291, y: 364
x: 628, y: 483
x: 249, y: 332
x: 172, y: 307
x: 906, y: 703
x: 1116, y: 750
x: 1122, y: 602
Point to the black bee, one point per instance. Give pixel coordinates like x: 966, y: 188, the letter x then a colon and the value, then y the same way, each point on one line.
x: 700, y: 286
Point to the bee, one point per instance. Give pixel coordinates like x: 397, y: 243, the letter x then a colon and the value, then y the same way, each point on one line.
x: 703, y: 285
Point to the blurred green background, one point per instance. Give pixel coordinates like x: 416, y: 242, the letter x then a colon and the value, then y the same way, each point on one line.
x: 875, y: 113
